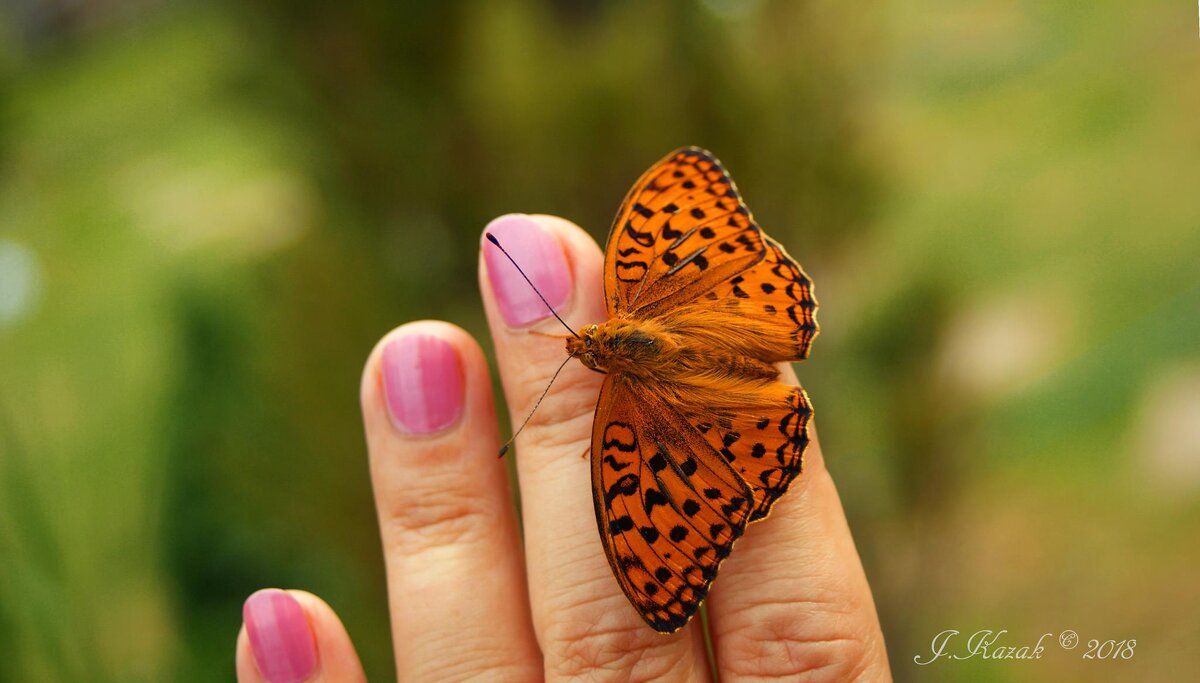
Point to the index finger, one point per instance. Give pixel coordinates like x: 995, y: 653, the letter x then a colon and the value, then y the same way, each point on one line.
x: 585, y: 625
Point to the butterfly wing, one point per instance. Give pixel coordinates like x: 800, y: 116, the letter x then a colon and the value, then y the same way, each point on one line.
x: 682, y: 229
x: 765, y: 447
x: 683, y: 235
x: 668, y: 506
x: 775, y: 299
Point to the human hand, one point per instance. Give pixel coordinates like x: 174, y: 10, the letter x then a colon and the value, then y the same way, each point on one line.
x: 469, y: 601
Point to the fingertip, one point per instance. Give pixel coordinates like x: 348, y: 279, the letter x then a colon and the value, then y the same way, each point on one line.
x: 567, y: 230
x: 293, y: 636
x: 420, y: 378
x: 247, y: 670
x: 587, y: 264
x: 339, y: 660
x: 280, y: 637
x: 532, y: 264
x: 371, y: 369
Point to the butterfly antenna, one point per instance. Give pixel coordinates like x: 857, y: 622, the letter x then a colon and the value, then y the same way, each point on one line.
x: 504, y: 448
x: 496, y: 242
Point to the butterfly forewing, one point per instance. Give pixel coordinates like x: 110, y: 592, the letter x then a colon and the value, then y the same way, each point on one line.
x: 682, y: 229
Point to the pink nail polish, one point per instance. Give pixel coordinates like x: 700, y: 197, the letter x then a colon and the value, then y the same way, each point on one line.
x: 279, y: 636
x: 422, y: 382
x: 540, y: 255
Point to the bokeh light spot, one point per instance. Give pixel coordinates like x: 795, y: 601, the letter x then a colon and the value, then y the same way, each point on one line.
x: 20, y: 282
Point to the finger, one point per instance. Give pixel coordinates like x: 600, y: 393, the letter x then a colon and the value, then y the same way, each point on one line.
x: 292, y: 636
x: 585, y: 624
x: 792, y: 599
x: 456, y: 584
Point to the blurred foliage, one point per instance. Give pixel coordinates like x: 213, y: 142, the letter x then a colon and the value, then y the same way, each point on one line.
x: 210, y: 211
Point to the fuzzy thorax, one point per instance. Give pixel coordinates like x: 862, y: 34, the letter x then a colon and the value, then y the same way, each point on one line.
x: 668, y: 352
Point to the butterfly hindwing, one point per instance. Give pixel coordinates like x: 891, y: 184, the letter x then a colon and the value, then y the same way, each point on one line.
x: 764, y: 447
x: 682, y: 229
x: 667, y: 505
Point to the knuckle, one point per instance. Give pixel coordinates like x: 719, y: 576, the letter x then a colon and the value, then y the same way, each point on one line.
x: 574, y: 394
x: 446, y: 658
x: 559, y: 426
x: 432, y: 517
x: 605, y: 641
x: 811, y: 642
x: 572, y: 435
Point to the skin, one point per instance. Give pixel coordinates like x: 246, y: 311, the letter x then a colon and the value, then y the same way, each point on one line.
x: 468, y: 601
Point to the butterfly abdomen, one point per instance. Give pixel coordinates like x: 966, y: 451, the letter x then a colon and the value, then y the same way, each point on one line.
x: 739, y: 366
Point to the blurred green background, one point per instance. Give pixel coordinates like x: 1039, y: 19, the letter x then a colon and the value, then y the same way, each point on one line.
x: 210, y: 211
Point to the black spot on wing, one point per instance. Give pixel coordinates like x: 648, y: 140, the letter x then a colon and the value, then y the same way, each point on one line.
x: 620, y: 525
x: 652, y: 498
x: 646, y: 239
x: 615, y: 464
x: 626, y: 445
x: 625, y: 486
x: 658, y: 463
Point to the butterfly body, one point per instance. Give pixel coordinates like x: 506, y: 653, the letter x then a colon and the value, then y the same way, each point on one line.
x: 669, y: 354
x: 694, y: 436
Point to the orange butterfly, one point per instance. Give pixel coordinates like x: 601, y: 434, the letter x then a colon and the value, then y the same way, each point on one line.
x: 694, y: 435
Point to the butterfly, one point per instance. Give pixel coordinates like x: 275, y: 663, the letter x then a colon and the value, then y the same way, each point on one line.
x: 694, y: 435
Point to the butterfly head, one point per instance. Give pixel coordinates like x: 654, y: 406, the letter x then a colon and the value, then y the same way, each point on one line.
x: 586, y: 346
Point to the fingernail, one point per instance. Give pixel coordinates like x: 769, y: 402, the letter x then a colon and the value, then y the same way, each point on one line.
x: 279, y: 636
x: 422, y: 382
x: 540, y: 255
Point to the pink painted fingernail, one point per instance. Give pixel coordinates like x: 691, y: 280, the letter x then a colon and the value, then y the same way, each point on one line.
x: 540, y: 255
x: 423, y: 383
x: 279, y: 636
